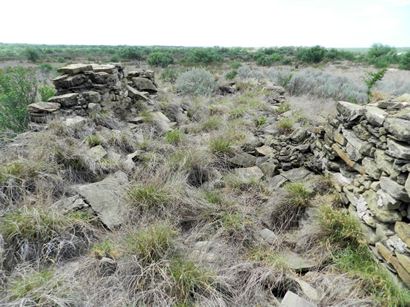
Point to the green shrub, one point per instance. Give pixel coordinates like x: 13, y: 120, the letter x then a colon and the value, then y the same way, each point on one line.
x: 382, y: 56
x: 18, y: 88
x: 231, y: 74
x: 189, y: 279
x: 33, y: 55
x: 268, y: 59
x: 285, y: 124
x: 220, y: 145
x: 196, y: 82
x: 159, y: 58
x: 149, y: 196
x: 212, y: 123
x: 28, y: 285
x: 283, y: 107
x: 105, y: 249
x: 93, y: 140
x: 314, y: 54
x: 213, y: 197
x: 360, y: 263
x: 19, y: 169
x: 371, y: 79
x: 260, y: 121
x: 151, y: 244
x: 298, y: 194
x: 46, y: 92
x: 202, y: 56
x: 339, y: 227
x: 45, y: 68
x: 405, y: 61
x: 235, y: 65
x: 174, y: 136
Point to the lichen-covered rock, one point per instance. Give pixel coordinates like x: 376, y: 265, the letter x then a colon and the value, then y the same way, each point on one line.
x: 67, y: 100
x: 394, y: 189
x: 375, y: 116
x: 399, y: 128
x: 398, y: 150
x: 73, y: 69
x: 350, y: 110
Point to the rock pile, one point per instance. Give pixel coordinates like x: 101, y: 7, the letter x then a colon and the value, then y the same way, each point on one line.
x: 85, y: 88
x: 367, y: 149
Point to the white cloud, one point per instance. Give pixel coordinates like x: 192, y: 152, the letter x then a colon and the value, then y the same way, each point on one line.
x: 337, y: 23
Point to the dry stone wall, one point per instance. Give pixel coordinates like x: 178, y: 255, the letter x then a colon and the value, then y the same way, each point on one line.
x: 367, y: 150
x: 85, y: 88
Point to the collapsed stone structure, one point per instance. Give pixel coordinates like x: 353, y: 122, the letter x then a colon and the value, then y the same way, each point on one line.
x: 86, y: 88
x: 367, y: 150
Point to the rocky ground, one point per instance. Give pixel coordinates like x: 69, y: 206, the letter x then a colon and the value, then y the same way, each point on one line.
x: 126, y: 192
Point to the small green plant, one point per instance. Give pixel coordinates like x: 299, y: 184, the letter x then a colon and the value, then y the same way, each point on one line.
x: 235, y: 65
x: 188, y: 278
x: 149, y: 196
x: 237, y: 112
x: 152, y: 243
x: 93, y: 140
x: 371, y: 80
x: 267, y: 256
x: 283, y: 107
x: 260, y: 121
x: 196, y: 81
x: 46, y: 92
x: 220, y: 145
x: 233, y: 221
x: 147, y: 116
x: 27, y: 285
x: 231, y: 74
x: 298, y: 194
x: 169, y: 74
x: 105, y: 248
x: 32, y: 54
x: 159, y: 58
x: 339, y: 227
x: 405, y: 61
x: 285, y: 124
x: 212, y: 123
x: 174, y: 136
x: 359, y: 262
x: 213, y: 197
x: 19, y: 170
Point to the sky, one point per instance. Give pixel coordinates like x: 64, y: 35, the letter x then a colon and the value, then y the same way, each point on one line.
x: 255, y: 23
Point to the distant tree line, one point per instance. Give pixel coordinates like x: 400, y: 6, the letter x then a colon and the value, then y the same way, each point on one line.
x: 379, y: 55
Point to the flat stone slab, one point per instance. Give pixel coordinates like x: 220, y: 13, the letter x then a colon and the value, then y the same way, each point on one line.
x: 350, y: 110
x: 296, y: 261
x: 293, y: 300
x: 249, y: 173
x: 265, y: 150
x: 243, y: 159
x: 398, y: 150
x: 66, y: 100
x: 43, y: 107
x: 396, y: 190
x: 399, y: 128
x: 375, y: 115
x: 277, y: 181
x: 107, y: 198
x: 296, y: 174
x: 73, y: 69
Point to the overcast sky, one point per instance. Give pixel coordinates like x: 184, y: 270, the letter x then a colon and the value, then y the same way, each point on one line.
x: 255, y: 23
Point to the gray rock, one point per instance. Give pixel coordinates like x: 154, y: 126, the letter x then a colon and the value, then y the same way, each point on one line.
x: 92, y: 96
x: 75, y: 122
x: 296, y: 174
x: 382, y: 214
x: 297, y: 262
x: 243, y: 159
x: 162, y: 123
x: 394, y: 189
x: 375, y: 115
x: 249, y: 173
x: 70, y: 204
x: 362, y: 147
x: 352, y: 153
x: 407, y: 186
x: 399, y: 128
x: 386, y: 201
x: 277, y: 181
x: 403, y: 114
x: 94, y: 107
x: 349, y: 110
x: 67, y: 100
x: 43, y: 107
x: 265, y: 150
x: 299, y: 135
x: 107, y: 68
x: 268, y: 168
x: 96, y: 153
x: 144, y: 84
x: 268, y: 235
x: 107, y: 198
x: 137, y: 95
x: 384, y: 163
x: 73, y: 69
x: 293, y: 300
x: 370, y: 167
x: 398, y: 150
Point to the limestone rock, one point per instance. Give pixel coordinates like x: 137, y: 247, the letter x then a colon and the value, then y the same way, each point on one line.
x: 268, y: 235
x: 75, y: 122
x: 370, y: 167
x: 375, y: 115
x: 404, y: 261
x: 407, y: 185
x: 106, y: 198
x: 162, y: 122
x: 107, y: 68
x: 398, y: 150
x: 382, y: 214
x: 296, y: 174
x: 70, y: 204
x: 361, y: 146
x: 403, y: 231
x: 384, y: 163
x: 350, y: 110
x: 73, y: 69
x: 133, y: 93
x: 249, y: 173
x: 394, y: 189
x: 297, y: 262
x: 293, y: 300
x: 399, y: 128
x: 243, y: 159
x: 92, y: 96
x: 277, y: 181
x: 66, y: 100
x: 144, y: 84
x: 265, y: 150
x: 43, y: 107
x: 96, y: 153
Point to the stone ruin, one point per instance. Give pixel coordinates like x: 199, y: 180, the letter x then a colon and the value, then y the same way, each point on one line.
x: 86, y: 88
x: 367, y: 151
